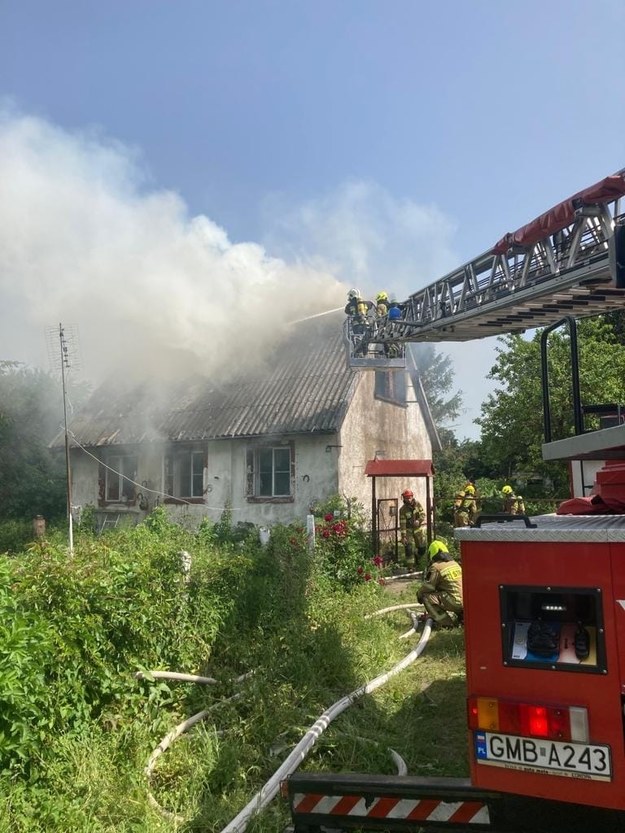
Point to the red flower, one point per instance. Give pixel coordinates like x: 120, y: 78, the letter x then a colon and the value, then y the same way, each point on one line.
x: 325, y: 533
x: 360, y: 571
x: 382, y: 581
x: 339, y: 529
x: 328, y: 517
x: 367, y: 576
x: 378, y: 561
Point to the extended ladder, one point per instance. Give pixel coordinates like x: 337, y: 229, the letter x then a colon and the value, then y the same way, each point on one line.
x: 568, y: 261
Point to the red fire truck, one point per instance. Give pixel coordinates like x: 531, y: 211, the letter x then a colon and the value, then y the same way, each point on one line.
x: 544, y: 597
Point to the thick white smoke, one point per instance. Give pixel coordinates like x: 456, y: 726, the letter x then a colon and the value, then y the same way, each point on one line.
x: 83, y: 241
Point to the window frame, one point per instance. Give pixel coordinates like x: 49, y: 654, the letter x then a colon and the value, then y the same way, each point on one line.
x: 254, y: 472
x: 179, y: 465
x: 118, y: 468
x: 387, y: 388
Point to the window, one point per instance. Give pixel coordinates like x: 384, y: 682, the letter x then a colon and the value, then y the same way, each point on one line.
x: 120, y: 471
x: 270, y: 472
x: 184, y: 473
x: 390, y: 385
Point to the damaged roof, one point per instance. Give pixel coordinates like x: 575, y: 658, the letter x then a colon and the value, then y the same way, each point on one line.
x: 304, y: 387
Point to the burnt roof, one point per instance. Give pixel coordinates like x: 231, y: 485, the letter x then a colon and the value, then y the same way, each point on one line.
x: 304, y: 386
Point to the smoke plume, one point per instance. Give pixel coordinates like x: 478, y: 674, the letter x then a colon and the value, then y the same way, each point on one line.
x: 85, y: 241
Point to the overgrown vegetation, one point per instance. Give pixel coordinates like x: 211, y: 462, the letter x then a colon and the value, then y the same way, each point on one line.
x: 77, y: 727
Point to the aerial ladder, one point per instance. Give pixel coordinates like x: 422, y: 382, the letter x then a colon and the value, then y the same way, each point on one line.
x: 546, y: 728
x: 568, y: 261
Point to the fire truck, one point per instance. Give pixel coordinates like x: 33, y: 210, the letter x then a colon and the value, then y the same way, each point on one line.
x: 544, y: 596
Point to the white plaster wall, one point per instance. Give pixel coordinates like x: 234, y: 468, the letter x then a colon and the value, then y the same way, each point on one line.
x: 324, y: 465
x: 226, y: 479
x: 84, y: 479
x: 371, y: 426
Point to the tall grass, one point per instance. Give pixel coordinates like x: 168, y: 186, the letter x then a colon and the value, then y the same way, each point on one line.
x: 123, y: 604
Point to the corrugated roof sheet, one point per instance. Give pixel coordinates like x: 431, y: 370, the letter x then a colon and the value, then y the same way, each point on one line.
x: 305, y: 387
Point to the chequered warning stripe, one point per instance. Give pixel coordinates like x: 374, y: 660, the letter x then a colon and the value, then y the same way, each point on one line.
x: 384, y: 807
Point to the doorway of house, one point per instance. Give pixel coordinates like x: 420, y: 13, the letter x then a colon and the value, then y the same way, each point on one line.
x: 387, y: 529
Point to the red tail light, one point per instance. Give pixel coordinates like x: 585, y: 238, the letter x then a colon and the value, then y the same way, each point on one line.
x: 529, y: 719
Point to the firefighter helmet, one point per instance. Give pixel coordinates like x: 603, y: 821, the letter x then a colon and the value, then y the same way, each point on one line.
x: 407, y: 494
x: 507, y: 490
x: 381, y: 296
x: 469, y: 489
x: 353, y: 293
x: 435, y: 547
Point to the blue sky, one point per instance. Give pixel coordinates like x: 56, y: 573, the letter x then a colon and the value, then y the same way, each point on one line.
x: 380, y: 143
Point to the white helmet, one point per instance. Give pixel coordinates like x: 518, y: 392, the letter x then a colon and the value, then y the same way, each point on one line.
x: 353, y: 293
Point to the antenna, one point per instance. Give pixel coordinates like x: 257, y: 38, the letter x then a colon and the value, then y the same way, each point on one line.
x: 62, y: 360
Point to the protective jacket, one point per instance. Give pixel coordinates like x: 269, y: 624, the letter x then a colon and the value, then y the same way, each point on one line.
x: 513, y: 505
x: 411, y: 516
x: 445, y: 579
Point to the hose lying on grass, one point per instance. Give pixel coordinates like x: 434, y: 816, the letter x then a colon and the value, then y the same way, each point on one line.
x: 269, y: 790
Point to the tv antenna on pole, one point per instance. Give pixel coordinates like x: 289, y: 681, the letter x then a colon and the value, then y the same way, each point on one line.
x: 64, y: 355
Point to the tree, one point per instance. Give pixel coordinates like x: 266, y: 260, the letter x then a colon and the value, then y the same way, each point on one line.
x: 512, y: 416
x: 31, y: 412
x: 437, y: 376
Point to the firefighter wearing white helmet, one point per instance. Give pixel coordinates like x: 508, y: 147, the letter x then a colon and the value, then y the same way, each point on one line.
x: 357, y: 308
x: 412, y: 530
x: 512, y: 504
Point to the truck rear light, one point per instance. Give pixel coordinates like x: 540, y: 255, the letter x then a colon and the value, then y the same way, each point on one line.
x: 529, y: 719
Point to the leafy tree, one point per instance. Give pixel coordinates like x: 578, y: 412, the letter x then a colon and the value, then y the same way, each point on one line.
x: 437, y: 376
x: 512, y: 416
x: 31, y: 412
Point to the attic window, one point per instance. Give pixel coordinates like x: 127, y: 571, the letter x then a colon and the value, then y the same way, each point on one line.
x: 390, y: 386
x: 270, y: 472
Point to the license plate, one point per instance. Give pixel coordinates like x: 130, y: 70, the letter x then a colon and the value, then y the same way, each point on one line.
x: 551, y: 757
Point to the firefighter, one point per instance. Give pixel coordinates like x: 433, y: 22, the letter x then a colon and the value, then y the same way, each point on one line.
x: 441, y: 591
x: 357, y: 308
x: 382, y: 303
x: 437, y: 545
x: 465, y: 506
x: 411, y: 527
x: 512, y: 504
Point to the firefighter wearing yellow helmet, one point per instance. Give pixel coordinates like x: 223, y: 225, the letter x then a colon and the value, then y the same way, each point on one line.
x: 441, y: 591
x: 412, y: 530
x: 512, y: 504
x: 382, y: 302
x: 465, y: 506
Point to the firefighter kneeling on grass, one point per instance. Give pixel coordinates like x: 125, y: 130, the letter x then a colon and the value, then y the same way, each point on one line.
x: 411, y: 527
x: 441, y: 591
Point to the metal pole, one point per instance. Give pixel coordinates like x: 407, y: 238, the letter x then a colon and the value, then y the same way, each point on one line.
x: 64, y: 360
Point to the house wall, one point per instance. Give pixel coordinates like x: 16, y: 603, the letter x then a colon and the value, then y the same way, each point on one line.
x: 324, y: 465
x: 225, y: 481
x: 373, y: 428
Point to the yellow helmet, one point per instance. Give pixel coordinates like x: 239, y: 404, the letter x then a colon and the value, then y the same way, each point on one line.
x: 435, y: 547
x: 507, y: 490
x: 381, y: 296
x: 469, y: 489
